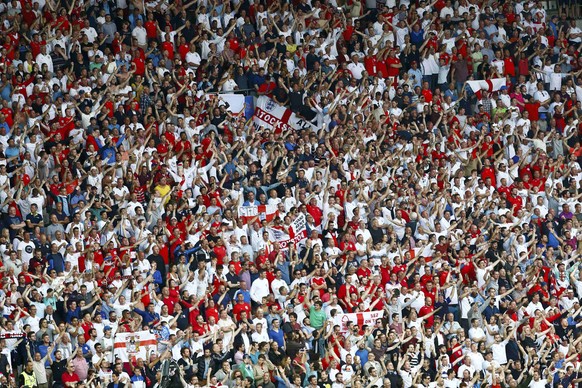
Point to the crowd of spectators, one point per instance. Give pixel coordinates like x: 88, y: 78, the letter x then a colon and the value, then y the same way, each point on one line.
x: 454, y: 212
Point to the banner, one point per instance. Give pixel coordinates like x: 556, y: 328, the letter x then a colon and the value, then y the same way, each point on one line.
x: 491, y: 85
x: 366, y: 318
x: 264, y: 212
x: 299, y: 123
x: 297, y: 233
x: 270, y: 115
x: 234, y: 103
x: 131, y: 346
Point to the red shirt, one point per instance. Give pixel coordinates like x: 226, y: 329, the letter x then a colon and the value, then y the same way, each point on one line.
x: 425, y: 310
x: 139, y: 66
x: 370, y: 63
x: 318, y: 281
x: 344, y: 292
x: 35, y: 47
x: 87, y: 326
x: 427, y: 93
x: 212, y: 312
x: 364, y: 272
x: 509, y: 66
x: 220, y: 252
x: 169, y: 47
x: 151, y: 29
x: 533, y: 110
x: 488, y: 172
x: 316, y: 213
x: 239, y: 308
x: 70, y: 378
x: 393, y: 71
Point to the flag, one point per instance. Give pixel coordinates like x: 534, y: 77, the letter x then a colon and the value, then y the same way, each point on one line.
x: 296, y: 233
x: 491, y: 85
x: 131, y: 346
x: 270, y: 115
x: 234, y: 103
x: 366, y: 318
x: 264, y: 212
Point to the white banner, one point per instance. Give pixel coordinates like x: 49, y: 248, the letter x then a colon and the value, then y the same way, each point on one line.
x: 234, y: 103
x: 297, y: 233
x: 298, y: 123
x: 270, y: 115
x: 131, y: 346
x: 366, y: 318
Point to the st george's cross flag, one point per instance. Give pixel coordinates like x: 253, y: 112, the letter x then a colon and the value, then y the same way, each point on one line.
x: 491, y: 85
x: 366, y: 318
x: 131, y: 346
x: 264, y: 212
x: 295, y: 233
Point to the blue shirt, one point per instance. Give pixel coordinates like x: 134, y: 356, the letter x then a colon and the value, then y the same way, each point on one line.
x: 43, y: 350
x: 76, y: 313
x: 148, y: 317
x: 277, y: 336
x: 11, y: 151
x: 56, y: 262
x: 363, y: 354
x: 417, y: 37
x: 246, y: 294
x: 85, y: 348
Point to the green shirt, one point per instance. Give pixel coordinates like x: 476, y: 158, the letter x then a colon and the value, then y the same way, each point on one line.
x: 317, y: 318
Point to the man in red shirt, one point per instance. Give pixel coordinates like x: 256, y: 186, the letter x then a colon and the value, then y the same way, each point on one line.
x: 346, y: 290
x: 393, y: 64
x: 70, y: 378
x: 427, y: 312
x: 241, y: 306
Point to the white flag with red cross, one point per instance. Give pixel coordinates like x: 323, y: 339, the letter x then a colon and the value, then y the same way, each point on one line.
x: 366, y: 318
x: 264, y: 212
x: 490, y: 85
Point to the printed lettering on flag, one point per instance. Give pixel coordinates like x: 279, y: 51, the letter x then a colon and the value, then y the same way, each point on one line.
x: 270, y: 115
x: 264, y: 212
x: 131, y: 346
x: 366, y: 318
x: 297, y: 233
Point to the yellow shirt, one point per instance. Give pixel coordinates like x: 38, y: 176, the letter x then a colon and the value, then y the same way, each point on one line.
x: 163, y: 190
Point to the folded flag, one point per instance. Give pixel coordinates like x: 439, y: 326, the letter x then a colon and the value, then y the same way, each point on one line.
x: 491, y: 85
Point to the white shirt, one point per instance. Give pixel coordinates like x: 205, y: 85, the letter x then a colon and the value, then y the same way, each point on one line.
x: 26, y: 251
x: 42, y: 59
x: 193, y: 59
x: 476, y: 333
x: 90, y: 33
x: 464, y: 367
x: 499, y: 353
x: 575, y: 30
x: 356, y: 69
x: 259, y: 290
x: 140, y: 34
x: 541, y: 96
x: 277, y: 284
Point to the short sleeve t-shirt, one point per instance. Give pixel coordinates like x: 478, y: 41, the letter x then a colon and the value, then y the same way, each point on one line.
x: 317, y: 318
